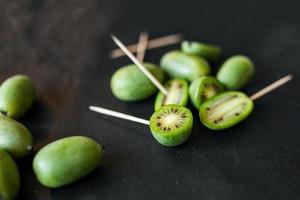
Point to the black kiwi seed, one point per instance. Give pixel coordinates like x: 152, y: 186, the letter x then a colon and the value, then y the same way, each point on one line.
x: 158, y: 124
x: 3, y: 112
x: 237, y: 114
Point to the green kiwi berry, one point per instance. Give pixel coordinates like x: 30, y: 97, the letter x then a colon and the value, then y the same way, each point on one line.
x: 17, y: 95
x: 236, y: 72
x: 129, y: 83
x: 204, y: 88
x: 177, y: 94
x: 171, y: 125
x: 14, y: 138
x: 184, y: 66
x: 207, y: 51
x: 66, y: 160
x: 9, y: 177
x: 225, y: 110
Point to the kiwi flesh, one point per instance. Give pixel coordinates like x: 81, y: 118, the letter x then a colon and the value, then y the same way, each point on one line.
x: 177, y: 94
x: 225, y: 110
x: 203, y: 88
x: 171, y: 125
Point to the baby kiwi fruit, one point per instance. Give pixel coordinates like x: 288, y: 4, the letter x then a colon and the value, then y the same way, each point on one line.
x: 177, y: 94
x: 129, y: 83
x: 17, y: 94
x: 184, y: 66
x: 236, y: 72
x: 207, y: 51
x: 204, y: 88
x: 171, y: 125
x: 225, y: 110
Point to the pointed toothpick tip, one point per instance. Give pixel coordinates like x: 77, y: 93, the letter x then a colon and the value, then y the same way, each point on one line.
x: 113, y: 37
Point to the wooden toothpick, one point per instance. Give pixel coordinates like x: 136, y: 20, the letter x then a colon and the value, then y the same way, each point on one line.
x: 271, y: 87
x: 118, y: 115
x: 142, y: 46
x: 152, y: 44
x: 140, y: 65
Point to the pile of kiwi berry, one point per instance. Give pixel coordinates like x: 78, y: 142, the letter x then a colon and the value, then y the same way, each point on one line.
x: 187, y: 75
x: 57, y: 164
x: 188, y: 72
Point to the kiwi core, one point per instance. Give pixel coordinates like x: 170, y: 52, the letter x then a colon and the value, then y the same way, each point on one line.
x: 175, y: 93
x: 171, y: 119
x: 211, y: 90
x: 226, y: 109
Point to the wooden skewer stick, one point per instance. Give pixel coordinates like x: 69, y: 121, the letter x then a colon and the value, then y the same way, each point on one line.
x: 271, y: 87
x: 152, y: 44
x: 119, y: 115
x: 142, y: 46
x: 139, y: 64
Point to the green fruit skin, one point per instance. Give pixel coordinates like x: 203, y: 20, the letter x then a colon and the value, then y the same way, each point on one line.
x: 130, y: 84
x: 195, y: 89
x: 184, y: 66
x: 207, y: 51
x: 66, y: 160
x: 236, y: 72
x: 176, y: 137
x: 231, y: 122
x: 9, y: 177
x: 17, y: 95
x: 14, y: 138
x: 184, y: 99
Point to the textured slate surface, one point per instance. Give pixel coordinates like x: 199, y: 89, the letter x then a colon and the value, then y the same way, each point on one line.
x: 64, y: 46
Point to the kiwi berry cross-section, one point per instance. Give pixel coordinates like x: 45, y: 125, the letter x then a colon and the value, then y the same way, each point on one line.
x: 177, y: 94
x: 225, y: 110
x: 204, y: 88
x: 171, y: 125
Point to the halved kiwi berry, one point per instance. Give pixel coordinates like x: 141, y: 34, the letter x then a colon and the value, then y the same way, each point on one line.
x: 225, y: 110
x: 203, y: 88
x: 171, y: 125
x: 178, y: 94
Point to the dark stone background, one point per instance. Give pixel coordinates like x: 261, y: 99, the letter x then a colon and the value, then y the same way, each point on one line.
x: 64, y: 46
